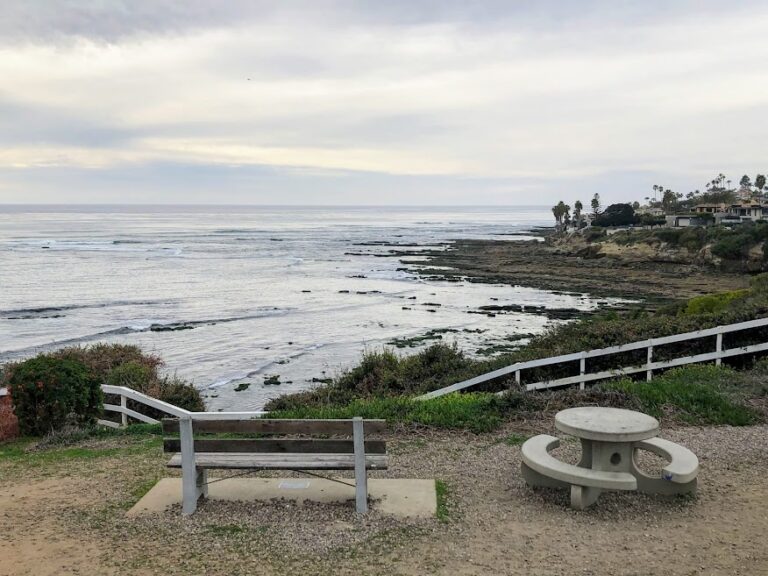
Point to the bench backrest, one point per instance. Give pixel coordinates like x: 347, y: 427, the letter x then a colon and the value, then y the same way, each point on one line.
x: 276, y: 427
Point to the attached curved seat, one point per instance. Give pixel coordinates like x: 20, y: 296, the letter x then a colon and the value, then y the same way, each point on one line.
x: 683, y: 464
x: 535, y: 453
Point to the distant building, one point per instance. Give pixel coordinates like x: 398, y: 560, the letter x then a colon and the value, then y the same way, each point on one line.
x: 685, y: 220
x: 652, y: 210
x: 710, y: 208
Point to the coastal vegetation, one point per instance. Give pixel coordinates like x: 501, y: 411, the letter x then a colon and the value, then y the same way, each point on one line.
x: 384, y: 384
x: 50, y: 393
x: 54, y: 390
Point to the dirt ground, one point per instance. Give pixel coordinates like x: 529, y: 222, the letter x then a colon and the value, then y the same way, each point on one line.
x: 67, y: 516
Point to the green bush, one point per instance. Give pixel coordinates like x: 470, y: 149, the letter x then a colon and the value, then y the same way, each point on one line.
x: 712, y: 303
x: 696, y: 394
x: 384, y: 373
x: 126, y: 365
x: 50, y: 393
x: 101, y: 358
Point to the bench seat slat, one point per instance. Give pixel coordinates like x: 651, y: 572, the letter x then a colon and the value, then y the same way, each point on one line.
x: 281, y: 461
x: 277, y: 426
x: 263, y: 445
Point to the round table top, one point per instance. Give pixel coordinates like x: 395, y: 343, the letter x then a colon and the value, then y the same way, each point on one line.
x: 607, y: 424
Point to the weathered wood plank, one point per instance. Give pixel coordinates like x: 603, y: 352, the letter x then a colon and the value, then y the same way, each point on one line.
x: 275, y: 426
x: 268, y: 445
x: 282, y: 461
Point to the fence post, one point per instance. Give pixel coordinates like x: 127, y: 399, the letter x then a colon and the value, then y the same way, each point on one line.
x: 123, y: 415
x: 582, y: 370
x: 517, y: 378
x: 361, y: 476
x: 719, y: 349
x: 649, y: 372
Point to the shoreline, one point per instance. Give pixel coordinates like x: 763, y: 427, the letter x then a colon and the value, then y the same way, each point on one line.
x: 537, y: 264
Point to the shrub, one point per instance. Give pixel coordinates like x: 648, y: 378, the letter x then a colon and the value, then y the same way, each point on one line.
x: 49, y: 393
x: 125, y: 365
x: 101, y: 359
x: 617, y: 215
x: 143, y: 378
x: 384, y: 373
x: 712, y: 303
x: 594, y: 233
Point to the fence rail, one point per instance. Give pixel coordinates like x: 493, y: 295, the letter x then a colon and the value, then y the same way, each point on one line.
x: 126, y: 394
x: 584, y: 377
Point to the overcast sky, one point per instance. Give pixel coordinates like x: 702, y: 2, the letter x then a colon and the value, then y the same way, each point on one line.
x: 381, y: 102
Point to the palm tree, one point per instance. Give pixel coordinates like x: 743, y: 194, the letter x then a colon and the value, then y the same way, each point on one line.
x: 577, y: 208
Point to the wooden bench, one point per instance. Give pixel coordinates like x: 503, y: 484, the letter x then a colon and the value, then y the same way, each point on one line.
x: 195, y: 456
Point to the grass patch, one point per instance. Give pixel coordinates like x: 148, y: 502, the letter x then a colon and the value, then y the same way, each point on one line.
x: 515, y: 439
x: 66, y: 445
x: 477, y: 412
x: 701, y: 394
x: 41, y: 457
x: 140, y: 490
x: 441, y: 492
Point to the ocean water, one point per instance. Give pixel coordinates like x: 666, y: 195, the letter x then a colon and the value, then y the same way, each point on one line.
x: 236, y: 294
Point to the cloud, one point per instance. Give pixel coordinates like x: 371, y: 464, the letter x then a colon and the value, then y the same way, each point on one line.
x: 508, y: 98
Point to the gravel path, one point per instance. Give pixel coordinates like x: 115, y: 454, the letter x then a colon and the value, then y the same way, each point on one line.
x: 68, y: 518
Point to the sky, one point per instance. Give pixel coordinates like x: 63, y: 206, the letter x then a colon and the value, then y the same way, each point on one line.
x: 421, y: 102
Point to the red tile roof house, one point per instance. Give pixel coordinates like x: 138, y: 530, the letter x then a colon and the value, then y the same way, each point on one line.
x: 9, y: 425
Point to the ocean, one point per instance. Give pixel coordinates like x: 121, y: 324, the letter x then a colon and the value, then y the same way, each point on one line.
x: 232, y: 294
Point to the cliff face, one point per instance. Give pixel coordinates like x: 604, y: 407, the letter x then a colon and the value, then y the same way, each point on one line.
x: 749, y: 259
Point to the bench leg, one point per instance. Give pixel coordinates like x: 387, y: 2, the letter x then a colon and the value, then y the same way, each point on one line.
x: 189, y: 472
x: 657, y: 485
x: 533, y: 478
x: 586, y: 454
x: 583, y: 496
x: 361, y: 476
x: 201, y: 482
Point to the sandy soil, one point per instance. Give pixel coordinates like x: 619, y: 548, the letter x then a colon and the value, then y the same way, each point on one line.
x: 68, y: 518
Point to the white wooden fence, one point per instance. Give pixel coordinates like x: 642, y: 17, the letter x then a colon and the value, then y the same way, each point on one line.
x: 583, y: 377
x: 126, y: 394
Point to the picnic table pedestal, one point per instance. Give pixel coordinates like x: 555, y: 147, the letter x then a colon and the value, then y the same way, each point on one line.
x: 610, y: 439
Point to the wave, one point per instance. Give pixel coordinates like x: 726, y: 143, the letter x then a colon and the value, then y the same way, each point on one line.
x: 42, y: 312
x: 106, y: 245
x: 137, y: 329
x: 264, y: 367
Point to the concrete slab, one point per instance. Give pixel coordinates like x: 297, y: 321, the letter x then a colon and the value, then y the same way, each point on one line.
x: 394, y: 496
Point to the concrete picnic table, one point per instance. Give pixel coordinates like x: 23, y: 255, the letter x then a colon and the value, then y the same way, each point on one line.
x: 610, y: 440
